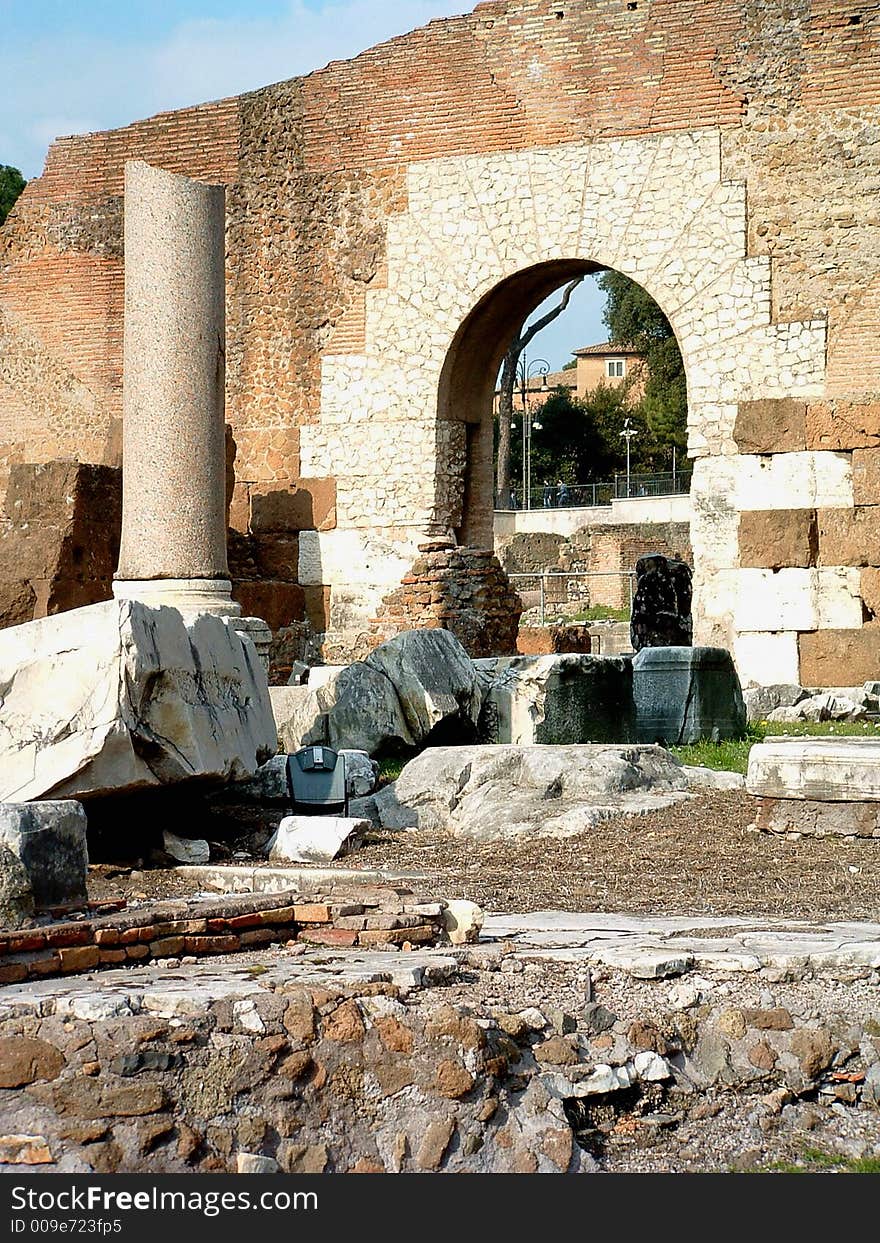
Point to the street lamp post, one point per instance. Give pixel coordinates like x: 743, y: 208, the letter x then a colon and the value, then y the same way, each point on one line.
x: 526, y: 371
x: 628, y: 432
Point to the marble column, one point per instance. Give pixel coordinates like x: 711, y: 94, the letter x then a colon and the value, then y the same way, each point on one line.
x: 173, y: 491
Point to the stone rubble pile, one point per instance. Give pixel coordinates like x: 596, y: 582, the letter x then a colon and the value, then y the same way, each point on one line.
x: 784, y: 702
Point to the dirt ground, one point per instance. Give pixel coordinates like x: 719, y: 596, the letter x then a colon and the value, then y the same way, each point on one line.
x: 696, y: 857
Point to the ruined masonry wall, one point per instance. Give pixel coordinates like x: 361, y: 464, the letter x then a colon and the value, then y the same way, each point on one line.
x: 725, y: 155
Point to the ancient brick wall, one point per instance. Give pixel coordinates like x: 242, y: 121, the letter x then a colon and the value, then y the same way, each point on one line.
x: 390, y: 217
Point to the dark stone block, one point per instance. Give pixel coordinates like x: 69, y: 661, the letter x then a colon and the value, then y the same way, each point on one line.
x: 685, y: 694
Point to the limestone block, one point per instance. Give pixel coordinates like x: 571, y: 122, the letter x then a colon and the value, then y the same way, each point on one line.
x: 821, y: 769
x: 350, y: 557
x: 315, y: 839
x: 771, y: 425
x: 775, y: 538
x: 119, y: 696
x: 793, y: 481
x: 850, y: 536
x: 50, y: 840
x: 866, y: 476
x: 838, y: 657
x: 556, y: 699
x: 712, y: 778
x: 797, y: 600
x: 463, y: 921
x: 766, y: 659
x: 493, y: 793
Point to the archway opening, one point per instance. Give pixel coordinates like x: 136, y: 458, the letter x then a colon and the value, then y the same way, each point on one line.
x: 632, y: 379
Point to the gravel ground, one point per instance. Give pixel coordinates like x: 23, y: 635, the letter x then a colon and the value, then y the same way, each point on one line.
x: 700, y: 856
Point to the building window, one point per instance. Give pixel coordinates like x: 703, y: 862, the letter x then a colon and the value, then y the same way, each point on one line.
x: 615, y: 368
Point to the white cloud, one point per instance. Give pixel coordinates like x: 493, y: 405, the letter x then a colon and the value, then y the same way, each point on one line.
x: 76, y: 84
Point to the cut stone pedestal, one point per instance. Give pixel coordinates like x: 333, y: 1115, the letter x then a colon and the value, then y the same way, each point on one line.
x: 558, y: 699
x: 685, y: 694
x: 817, y: 787
x: 811, y: 818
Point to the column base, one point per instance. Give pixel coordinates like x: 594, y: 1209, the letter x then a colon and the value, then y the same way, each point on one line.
x: 190, y: 596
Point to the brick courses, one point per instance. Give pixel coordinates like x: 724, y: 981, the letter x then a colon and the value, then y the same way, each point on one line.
x: 222, y: 925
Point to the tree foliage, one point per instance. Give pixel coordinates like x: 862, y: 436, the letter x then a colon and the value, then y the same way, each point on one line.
x: 11, y: 185
x: 635, y: 320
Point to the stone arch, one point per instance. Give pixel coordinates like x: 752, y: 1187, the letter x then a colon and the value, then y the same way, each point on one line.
x: 657, y: 208
x: 467, y: 380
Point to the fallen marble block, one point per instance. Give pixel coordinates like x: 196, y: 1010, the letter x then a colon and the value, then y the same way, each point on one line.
x: 819, y: 769
x: 118, y: 697
x: 463, y: 921
x: 389, y: 703
x: 50, y: 840
x: 315, y: 839
x: 497, y: 792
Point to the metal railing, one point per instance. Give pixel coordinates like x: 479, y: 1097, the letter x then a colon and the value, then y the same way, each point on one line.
x: 588, y: 495
x: 544, y: 579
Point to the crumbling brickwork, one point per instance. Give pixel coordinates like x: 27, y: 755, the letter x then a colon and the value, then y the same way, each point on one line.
x: 460, y: 589
x: 392, y: 218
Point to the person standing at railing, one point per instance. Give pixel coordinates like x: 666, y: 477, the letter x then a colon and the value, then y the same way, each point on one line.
x: 561, y: 494
x: 547, y: 494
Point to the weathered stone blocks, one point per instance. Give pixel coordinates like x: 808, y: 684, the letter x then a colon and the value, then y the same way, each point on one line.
x: 770, y: 425
x: 776, y: 538
x: 843, y: 425
x: 839, y: 657
x: 866, y: 476
x: 849, y: 536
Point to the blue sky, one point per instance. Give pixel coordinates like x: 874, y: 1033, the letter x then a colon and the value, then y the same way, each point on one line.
x: 73, y: 66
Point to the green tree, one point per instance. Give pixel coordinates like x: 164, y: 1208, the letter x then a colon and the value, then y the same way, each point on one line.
x: 11, y: 185
x: 578, y: 440
x: 635, y: 320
